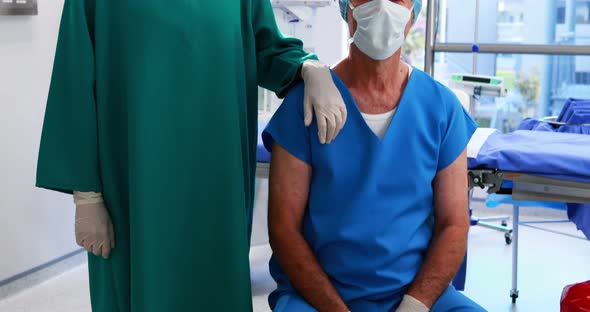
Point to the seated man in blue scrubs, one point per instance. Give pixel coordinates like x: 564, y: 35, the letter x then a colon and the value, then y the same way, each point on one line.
x: 377, y: 220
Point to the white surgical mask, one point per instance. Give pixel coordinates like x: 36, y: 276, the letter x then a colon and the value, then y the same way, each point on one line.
x: 381, y: 26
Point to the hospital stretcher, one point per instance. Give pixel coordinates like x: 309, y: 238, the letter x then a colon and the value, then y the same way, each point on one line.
x: 528, y: 165
x: 531, y: 166
x: 527, y: 188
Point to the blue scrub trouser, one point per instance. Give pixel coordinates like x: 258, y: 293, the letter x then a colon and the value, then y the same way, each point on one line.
x: 450, y: 301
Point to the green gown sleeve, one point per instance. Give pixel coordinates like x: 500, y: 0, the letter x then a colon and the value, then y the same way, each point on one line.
x: 68, y: 156
x: 279, y: 58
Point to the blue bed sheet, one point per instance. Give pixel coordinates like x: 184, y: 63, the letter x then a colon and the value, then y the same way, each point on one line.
x: 571, y: 108
x: 580, y: 216
x: 550, y: 154
x: 539, y: 125
x: 547, y: 151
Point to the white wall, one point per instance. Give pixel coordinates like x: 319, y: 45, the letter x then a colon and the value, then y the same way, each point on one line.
x: 330, y: 36
x: 36, y: 226
x: 327, y: 34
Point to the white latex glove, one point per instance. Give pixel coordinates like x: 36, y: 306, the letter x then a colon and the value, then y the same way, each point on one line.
x: 322, y: 96
x: 411, y: 304
x: 94, y: 229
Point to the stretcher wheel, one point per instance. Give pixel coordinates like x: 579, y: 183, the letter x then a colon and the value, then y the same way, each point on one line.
x: 508, y: 238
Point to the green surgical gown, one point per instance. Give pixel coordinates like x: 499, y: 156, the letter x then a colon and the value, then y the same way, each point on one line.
x: 154, y: 104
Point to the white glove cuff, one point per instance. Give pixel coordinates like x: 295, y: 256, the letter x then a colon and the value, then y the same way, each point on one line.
x: 411, y: 304
x: 87, y: 198
x: 311, y: 65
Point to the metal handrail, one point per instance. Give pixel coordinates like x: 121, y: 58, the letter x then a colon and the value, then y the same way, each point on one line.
x: 498, y: 48
x: 433, y: 47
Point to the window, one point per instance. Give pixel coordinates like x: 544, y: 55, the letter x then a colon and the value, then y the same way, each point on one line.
x: 561, y: 14
x: 583, y: 13
x: 413, y: 49
x: 538, y: 85
x: 513, y: 21
x: 583, y: 78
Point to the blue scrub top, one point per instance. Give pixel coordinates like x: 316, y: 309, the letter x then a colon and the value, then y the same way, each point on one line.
x: 369, y: 219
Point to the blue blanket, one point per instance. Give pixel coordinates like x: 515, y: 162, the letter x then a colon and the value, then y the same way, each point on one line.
x: 543, y: 149
x: 544, y: 153
x: 575, y: 111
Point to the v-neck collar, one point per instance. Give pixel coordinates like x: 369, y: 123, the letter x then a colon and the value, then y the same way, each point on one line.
x: 400, y: 108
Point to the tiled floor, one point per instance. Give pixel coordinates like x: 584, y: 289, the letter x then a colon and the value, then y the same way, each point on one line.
x: 66, y: 293
x: 548, y: 262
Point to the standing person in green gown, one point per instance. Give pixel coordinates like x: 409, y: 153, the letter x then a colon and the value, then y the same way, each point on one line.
x: 151, y: 123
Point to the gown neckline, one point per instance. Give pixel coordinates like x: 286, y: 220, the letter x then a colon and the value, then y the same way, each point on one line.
x: 399, y: 109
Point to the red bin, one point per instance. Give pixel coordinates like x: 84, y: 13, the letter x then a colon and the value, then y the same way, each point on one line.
x: 576, y: 298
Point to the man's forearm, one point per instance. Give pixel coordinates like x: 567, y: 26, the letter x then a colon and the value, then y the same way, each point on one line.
x: 305, y: 273
x: 443, y: 259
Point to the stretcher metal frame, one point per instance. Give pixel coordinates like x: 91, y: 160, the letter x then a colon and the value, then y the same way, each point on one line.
x: 526, y: 187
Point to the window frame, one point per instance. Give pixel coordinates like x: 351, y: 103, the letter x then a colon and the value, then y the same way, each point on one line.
x: 432, y: 46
